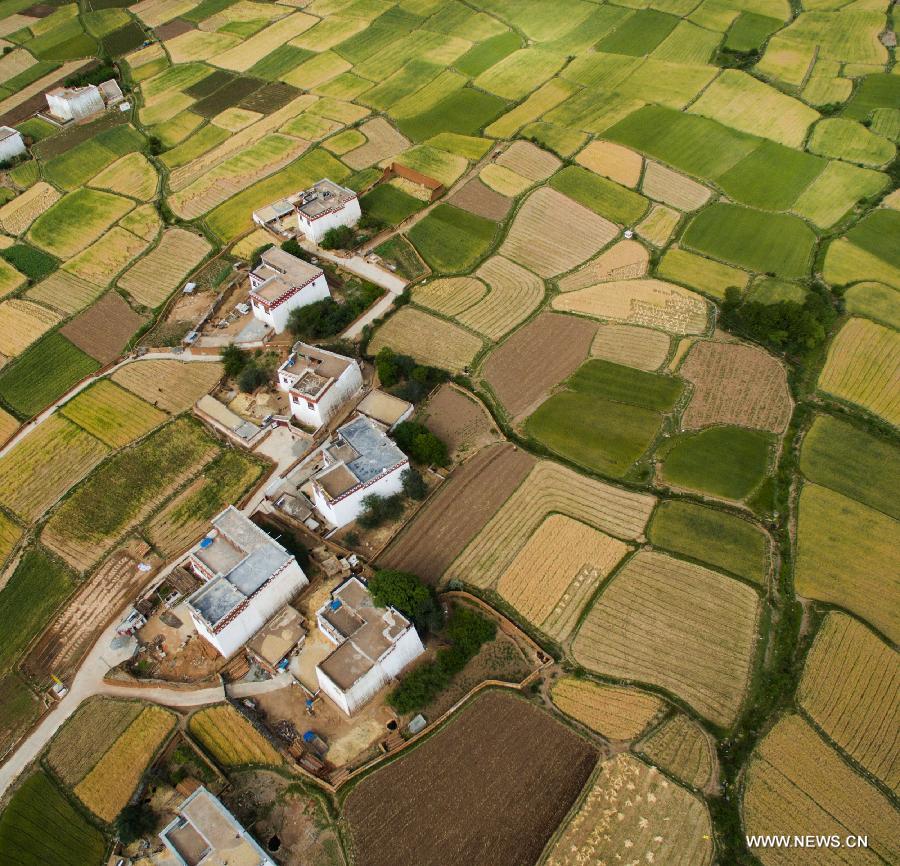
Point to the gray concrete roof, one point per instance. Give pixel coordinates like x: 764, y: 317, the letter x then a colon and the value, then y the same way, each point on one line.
x: 375, y: 450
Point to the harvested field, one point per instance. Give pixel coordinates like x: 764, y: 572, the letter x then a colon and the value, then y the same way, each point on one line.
x: 549, y: 489
x: 670, y: 187
x: 477, y: 198
x: 626, y: 260
x: 735, y: 384
x: 427, y: 339
x: 459, y: 420
x: 251, y: 51
x: 155, y: 276
x: 834, y: 567
x: 132, y: 175
x: 383, y: 142
x: 682, y: 748
x: 108, y: 787
x: 230, y: 739
x: 633, y: 813
x: 631, y: 346
x: 183, y: 520
x: 45, y: 464
x: 536, y: 768
x: 17, y: 215
x: 607, y: 159
x: 557, y: 572
x: 457, y: 512
x: 678, y: 626
x: 65, y: 291
x: 863, y: 367
x: 615, y: 712
x: 23, y: 322
x: 528, y: 160
x: 171, y: 385
x: 124, y: 490
x: 851, y: 689
x: 562, y: 341
x: 105, y: 258
x: 653, y: 303
x: 514, y: 294
x: 552, y: 234
x: 70, y: 636
x: 88, y: 735
x: 794, y: 778
x: 103, y: 330
x: 112, y: 414
x: 449, y: 296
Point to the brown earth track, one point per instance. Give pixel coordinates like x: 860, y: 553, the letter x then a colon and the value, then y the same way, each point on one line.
x: 480, y: 199
x: 103, y: 329
x: 457, y: 513
x: 537, y: 358
x: 62, y: 646
x: 490, y: 788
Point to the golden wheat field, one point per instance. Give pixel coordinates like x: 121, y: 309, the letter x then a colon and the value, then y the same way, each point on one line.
x: 851, y: 690
x: 549, y: 488
x: 230, y: 739
x: 449, y: 296
x: 106, y: 789
x: 630, y: 345
x: 132, y: 175
x: 504, y: 180
x: 528, y: 160
x: 682, y: 748
x: 795, y: 779
x: 677, y: 626
x: 105, y: 258
x: 633, y: 814
x: 23, y: 322
x: 658, y: 225
x: 616, y: 712
x: 625, y: 260
x: 427, y: 339
x: 557, y: 571
x: 65, y: 291
x: 171, y: 385
x: 17, y: 215
x: 552, y: 234
x: 863, y: 367
x: 112, y: 414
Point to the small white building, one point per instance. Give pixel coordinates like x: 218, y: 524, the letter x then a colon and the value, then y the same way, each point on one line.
x: 76, y: 103
x: 248, y: 577
x: 205, y: 833
x: 281, y: 283
x: 12, y: 144
x: 325, y: 205
x: 385, y: 409
x: 359, y: 460
x: 373, y: 646
x: 318, y: 383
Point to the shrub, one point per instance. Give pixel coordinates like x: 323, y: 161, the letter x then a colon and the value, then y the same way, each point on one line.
x: 407, y: 593
x: 291, y: 246
x: 414, y: 484
x: 252, y: 377
x: 234, y: 360
x: 133, y: 822
x: 420, y: 444
x: 327, y: 317
x: 92, y: 76
x: 380, y: 509
x: 338, y: 238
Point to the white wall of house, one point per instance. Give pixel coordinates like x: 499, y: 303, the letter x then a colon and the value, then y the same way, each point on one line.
x: 73, y: 105
x: 340, y: 512
x: 315, y: 229
x: 277, y: 316
x: 317, y: 412
x: 261, y: 608
x: 399, y: 656
x: 12, y: 146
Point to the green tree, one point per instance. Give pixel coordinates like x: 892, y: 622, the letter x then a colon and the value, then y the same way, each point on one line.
x: 338, y: 238
x: 252, y: 377
x: 414, y: 484
x: 133, y: 822
x: 408, y: 594
x: 234, y: 360
x: 419, y: 443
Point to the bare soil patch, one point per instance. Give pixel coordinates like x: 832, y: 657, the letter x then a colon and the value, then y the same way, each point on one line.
x: 459, y: 420
x: 480, y: 199
x: 456, y: 514
x: 537, y: 358
x: 500, y: 777
x: 103, y: 330
x: 173, y: 28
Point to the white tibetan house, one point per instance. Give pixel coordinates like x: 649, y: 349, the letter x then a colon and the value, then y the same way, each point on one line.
x: 318, y: 383
x: 360, y: 459
x: 12, y: 145
x: 373, y: 646
x: 312, y: 212
x: 281, y: 283
x: 76, y: 103
x: 248, y: 577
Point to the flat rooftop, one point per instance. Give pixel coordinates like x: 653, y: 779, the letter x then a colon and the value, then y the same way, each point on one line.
x: 282, y: 272
x: 242, y: 556
x: 324, y: 195
x: 278, y: 636
x: 384, y: 408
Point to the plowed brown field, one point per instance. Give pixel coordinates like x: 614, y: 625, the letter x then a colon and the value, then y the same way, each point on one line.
x: 103, y: 330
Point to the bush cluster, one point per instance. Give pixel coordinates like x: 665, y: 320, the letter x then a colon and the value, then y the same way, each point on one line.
x: 327, y: 317
x: 420, y: 444
x: 251, y: 371
x: 380, y: 509
x: 401, y: 376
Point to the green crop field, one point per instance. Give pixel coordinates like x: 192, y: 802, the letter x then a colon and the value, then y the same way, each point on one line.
x: 750, y: 31
x: 878, y: 234
x: 721, y: 540
x: 35, y: 264
x: 480, y: 58
x: 452, y: 240
x: 400, y: 252
x: 77, y: 220
x: 874, y: 301
x: 466, y: 112
x: 763, y: 242
x: 44, y: 371
x: 639, y: 34
x: 724, y: 461
x: 604, y: 197
x: 389, y: 204
x: 36, y: 589
x: 112, y: 414
x: 627, y: 385
x: 40, y: 826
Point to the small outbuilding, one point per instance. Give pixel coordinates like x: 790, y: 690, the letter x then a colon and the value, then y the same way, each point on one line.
x: 12, y: 145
